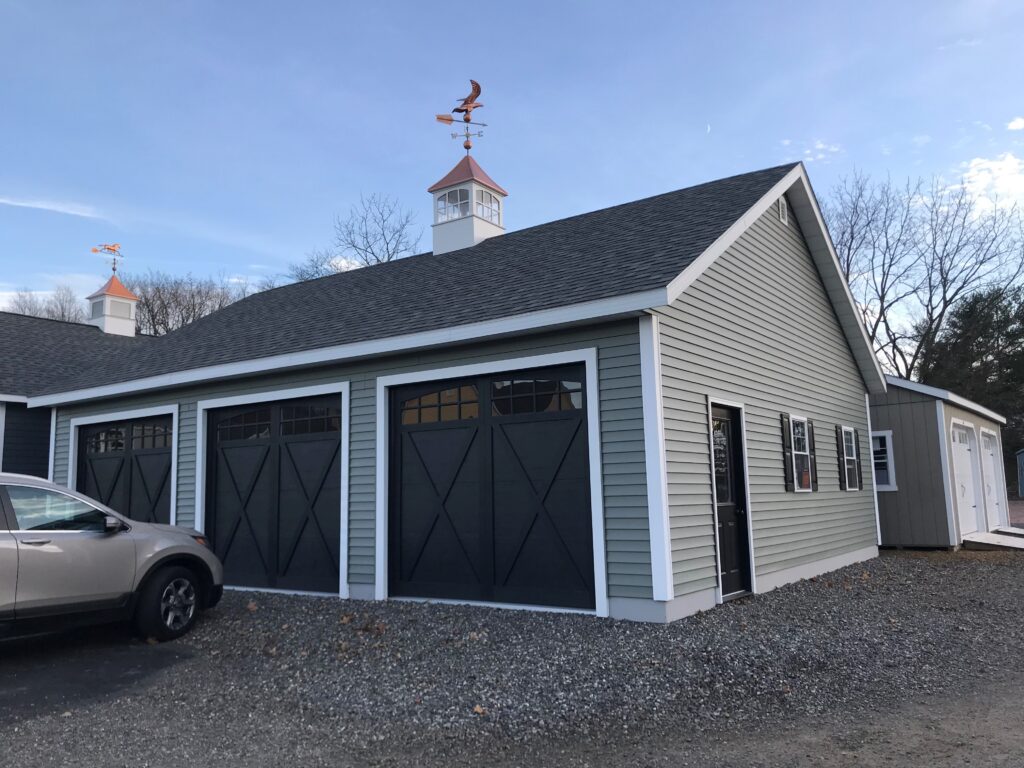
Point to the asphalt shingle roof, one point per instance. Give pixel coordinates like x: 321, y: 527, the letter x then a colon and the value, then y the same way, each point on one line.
x: 38, y: 355
x: 615, y: 251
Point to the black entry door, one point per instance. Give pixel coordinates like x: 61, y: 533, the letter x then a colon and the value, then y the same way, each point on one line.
x: 730, y: 501
x: 490, y: 491
x: 274, y: 493
x: 127, y: 466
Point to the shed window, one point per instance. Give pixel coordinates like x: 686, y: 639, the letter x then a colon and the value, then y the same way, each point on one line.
x: 881, y: 457
x: 848, y: 454
x: 798, y: 453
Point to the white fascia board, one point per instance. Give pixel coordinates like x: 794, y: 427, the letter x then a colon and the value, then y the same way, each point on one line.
x: 13, y: 398
x: 602, y: 308
x: 805, y: 207
x: 945, y: 394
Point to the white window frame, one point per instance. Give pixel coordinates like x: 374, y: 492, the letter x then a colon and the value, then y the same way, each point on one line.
x: 890, y: 462
x: 847, y: 458
x: 793, y: 419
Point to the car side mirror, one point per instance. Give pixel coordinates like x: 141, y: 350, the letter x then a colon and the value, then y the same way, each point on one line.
x: 112, y: 525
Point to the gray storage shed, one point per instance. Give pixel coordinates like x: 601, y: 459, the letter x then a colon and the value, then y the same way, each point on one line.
x: 938, y: 465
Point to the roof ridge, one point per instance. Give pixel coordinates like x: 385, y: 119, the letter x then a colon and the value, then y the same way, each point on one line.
x: 48, y: 319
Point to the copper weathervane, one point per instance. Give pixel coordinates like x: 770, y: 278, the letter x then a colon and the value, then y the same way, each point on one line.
x: 465, y: 108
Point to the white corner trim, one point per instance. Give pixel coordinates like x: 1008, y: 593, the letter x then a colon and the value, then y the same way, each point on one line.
x: 871, y: 465
x: 947, y: 484
x: 3, y: 429
x: 588, y: 357
x: 945, y: 394
x: 617, y: 305
x: 137, y: 413
x: 341, y: 388
x: 662, y: 578
x: 53, y: 443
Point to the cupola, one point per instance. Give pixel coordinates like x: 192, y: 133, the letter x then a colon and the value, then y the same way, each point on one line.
x: 468, y: 207
x: 112, y: 308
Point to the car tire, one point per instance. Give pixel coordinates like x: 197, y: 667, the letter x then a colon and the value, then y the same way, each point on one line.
x: 168, y: 604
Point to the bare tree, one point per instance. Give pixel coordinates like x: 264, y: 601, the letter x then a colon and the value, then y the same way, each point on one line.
x: 910, y: 253
x: 167, y: 302
x: 377, y: 230
x: 61, y: 304
x: 64, y: 304
x: 25, y: 302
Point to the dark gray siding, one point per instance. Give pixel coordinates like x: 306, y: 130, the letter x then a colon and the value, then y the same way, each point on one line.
x: 915, y: 515
x: 757, y: 328
x: 26, y: 440
x: 624, y: 473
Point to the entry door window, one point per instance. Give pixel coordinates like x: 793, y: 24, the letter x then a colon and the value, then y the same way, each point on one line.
x: 40, y: 509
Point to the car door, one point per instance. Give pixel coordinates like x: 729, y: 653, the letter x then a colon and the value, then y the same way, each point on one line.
x: 8, y: 569
x: 66, y: 562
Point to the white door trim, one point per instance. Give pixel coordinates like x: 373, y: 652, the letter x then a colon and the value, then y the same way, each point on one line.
x: 713, y: 400
x: 871, y: 464
x: 341, y: 388
x: 945, y: 445
x: 654, y: 450
x: 135, y: 413
x: 53, y: 443
x: 588, y: 357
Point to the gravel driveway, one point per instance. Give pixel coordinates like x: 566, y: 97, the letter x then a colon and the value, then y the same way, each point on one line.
x: 271, y: 680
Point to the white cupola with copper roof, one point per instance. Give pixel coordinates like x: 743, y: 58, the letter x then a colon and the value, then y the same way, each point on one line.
x: 468, y: 207
x: 468, y: 204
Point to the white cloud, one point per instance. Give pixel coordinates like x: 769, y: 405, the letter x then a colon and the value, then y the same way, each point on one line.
x: 921, y: 140
x: 1017, y: 124
x: 54, y: 206
x: 998, y: 180
x: 964, y: 42
x: 786, y: 142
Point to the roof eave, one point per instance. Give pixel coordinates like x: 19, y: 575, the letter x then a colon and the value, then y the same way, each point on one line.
x: 944, y: 394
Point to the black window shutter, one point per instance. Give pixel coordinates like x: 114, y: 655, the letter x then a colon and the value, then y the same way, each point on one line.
x: 787, y: 451
x: 856, y: 447
x: 814, y: 458
x: 841, y: 452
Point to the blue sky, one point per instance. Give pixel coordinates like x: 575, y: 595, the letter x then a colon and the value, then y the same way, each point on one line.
x: 223, y: 138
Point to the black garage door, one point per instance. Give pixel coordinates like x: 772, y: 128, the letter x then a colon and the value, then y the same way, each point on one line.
x: 274, y: 493
x: 490, y: 491
x: 127, y: 466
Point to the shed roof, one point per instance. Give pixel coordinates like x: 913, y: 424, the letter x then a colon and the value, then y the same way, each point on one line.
x: 945, y: 395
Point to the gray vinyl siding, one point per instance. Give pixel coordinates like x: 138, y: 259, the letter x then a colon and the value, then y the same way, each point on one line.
x: 26, y: 444
x: 622, y: 438
x: 915, y: 515
x: 757, y: 328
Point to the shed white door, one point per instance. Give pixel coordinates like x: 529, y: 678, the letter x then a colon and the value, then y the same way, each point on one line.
x: 963, y: 473
x: 994, y: 490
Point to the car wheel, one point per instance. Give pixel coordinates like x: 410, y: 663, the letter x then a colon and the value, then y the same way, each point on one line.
x: 168, y: 604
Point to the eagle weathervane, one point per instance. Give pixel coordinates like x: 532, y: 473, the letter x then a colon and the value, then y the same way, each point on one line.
x: 465, y: 108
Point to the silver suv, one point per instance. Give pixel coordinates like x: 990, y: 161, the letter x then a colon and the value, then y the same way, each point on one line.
x: 66, y: 559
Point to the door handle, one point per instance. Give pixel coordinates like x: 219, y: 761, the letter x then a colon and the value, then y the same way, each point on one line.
x: 35, y: 542
x: 740, y: 511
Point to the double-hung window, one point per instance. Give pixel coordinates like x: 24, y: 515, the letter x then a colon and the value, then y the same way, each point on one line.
x: 798, y: 455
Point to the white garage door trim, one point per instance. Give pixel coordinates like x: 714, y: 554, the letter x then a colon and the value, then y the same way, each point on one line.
x: 586, y: 356
x: 138, y: 413
x: 336, y: 388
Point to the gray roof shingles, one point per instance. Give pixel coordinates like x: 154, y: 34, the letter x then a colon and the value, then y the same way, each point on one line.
x: 38, y: 355
x: 616, y: 251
